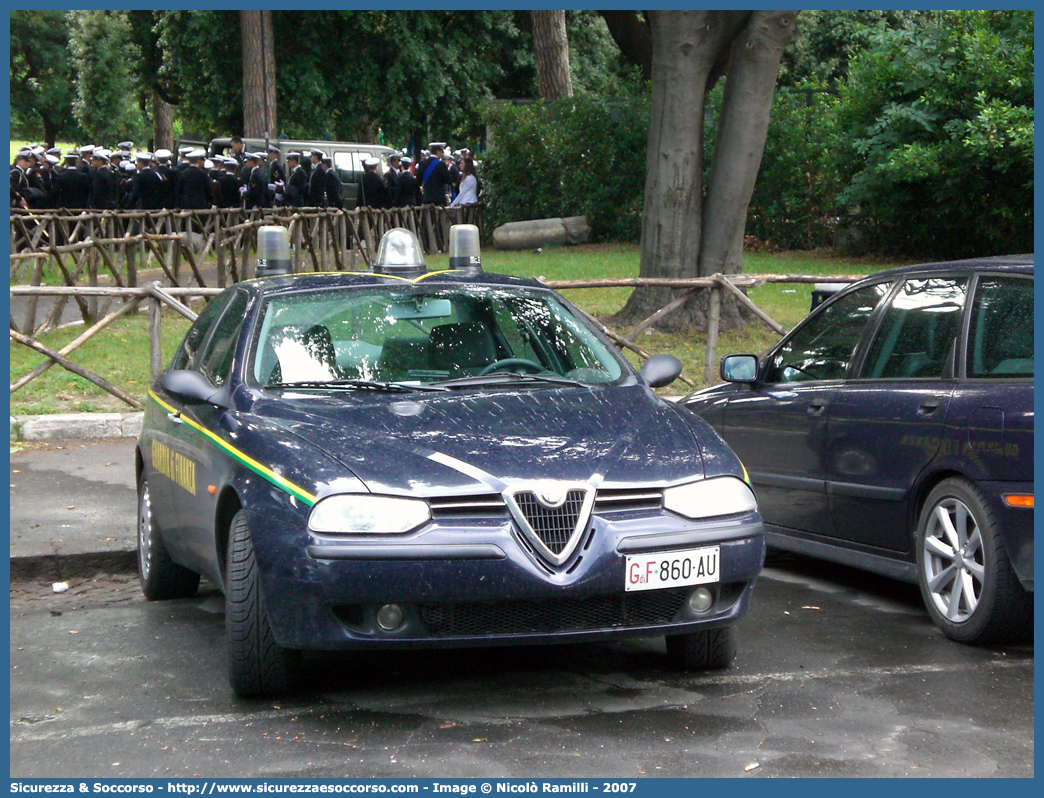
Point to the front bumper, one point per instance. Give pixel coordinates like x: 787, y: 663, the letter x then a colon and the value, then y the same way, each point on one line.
x: 475, y: 581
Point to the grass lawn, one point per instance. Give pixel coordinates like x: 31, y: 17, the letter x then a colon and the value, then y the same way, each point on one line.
x: 121, y: 352
x: 18, y: 145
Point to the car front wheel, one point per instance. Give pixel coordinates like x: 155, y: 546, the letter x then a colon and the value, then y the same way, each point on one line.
x: 160, y: 577
x: 710, y: 649
x: 257, y: 665
x: 966, y: 578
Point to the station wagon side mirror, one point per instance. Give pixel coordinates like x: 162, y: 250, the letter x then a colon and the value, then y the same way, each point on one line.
x: 739, y: 368
x: 661, y: 370
x: 192, y: 386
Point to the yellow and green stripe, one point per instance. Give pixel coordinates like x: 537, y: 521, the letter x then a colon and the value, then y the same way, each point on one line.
x: 241, y: 457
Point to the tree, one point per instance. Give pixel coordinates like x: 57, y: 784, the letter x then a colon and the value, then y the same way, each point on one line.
x: 156, y: 91
x: 427, y: 73
x: 689, y: 230
x: 938, y: 118
x: 42, y: 86
x: 103, y: 54
x: 551, y: 47
x: 200, y: 57
x: 259, y: 74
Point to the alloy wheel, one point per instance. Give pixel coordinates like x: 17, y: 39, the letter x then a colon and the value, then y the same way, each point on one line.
x: 954, y: 561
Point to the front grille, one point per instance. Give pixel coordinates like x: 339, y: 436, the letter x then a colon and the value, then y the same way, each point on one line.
x: 538, y: 616
x: 485, y: 504
x: 609, y: 500
x: 554, y: 527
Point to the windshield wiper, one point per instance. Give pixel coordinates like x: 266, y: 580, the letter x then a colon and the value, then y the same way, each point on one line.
x: 365, y: 385
x: 504, y: 378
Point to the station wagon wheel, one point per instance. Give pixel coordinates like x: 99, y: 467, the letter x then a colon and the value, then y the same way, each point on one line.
x: 257, y: 665
x: 709, y: 649
x: 160, y: 577
x: 966, y: 578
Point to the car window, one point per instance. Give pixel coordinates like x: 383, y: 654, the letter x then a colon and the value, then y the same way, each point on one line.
x: 217, y: 360
x: 350, y: 161
x: 422, y: 334
x: 822, y: 348
x: 919, y: 330
x: 197, y: 334
x: 1000, y: 340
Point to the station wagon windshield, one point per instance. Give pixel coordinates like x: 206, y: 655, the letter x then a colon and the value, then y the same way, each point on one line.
x: 425, y: 335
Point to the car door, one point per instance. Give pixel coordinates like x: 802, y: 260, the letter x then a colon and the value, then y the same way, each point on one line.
x: 991, y: 418
x: 164, y: 467
x: 777, y: 425
x: 196, y: 511
x: 886, y: 426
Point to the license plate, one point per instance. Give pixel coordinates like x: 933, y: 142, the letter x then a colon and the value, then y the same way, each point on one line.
x: 671, y: 569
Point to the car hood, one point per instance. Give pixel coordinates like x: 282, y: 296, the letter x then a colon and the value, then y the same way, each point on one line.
x: 478, y: 441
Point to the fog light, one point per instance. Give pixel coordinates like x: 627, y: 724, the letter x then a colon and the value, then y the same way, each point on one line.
x: 389, y: 617
x: 701, y: 600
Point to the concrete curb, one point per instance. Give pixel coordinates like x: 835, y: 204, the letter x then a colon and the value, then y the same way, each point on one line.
x: 69, y: 426
x: 60, y: 567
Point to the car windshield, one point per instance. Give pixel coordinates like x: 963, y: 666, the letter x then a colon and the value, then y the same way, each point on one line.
x: 454, y: 337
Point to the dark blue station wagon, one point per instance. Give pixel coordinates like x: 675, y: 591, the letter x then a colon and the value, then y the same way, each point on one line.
x: 892, y: 430
x: 434, y: 459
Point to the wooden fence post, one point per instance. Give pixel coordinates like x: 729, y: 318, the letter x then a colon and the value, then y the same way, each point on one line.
x: 713, y: 322
x: 92, y: 272
x: 295, y: 236
x: 155, y: 343
x: 244, y: 253
x: 219, y: 250
x: 29, y: 323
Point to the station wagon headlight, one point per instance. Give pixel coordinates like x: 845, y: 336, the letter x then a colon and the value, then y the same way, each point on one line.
x: 365, y: 514
x: 710, y: 497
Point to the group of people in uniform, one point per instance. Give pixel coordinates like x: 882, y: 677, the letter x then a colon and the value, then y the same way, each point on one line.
x: 92, y: 177
x: 438, y: 178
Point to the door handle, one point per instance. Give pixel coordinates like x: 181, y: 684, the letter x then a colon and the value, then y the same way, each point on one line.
x: 816, y: 407
x: 929, y: 406
x: 175, y: 417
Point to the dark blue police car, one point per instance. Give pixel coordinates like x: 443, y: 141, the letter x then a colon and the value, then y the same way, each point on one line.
x: 892, y: 430
x: 409, y: 458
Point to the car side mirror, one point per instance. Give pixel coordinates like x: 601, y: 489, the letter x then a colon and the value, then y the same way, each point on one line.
x: 192, y: 386
x: 661, y: 370
x: 739, y: 368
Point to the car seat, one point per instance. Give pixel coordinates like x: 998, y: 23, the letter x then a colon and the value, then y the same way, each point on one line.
x: 462, y: 348
x: 319, y: 344
x: 400, y: 356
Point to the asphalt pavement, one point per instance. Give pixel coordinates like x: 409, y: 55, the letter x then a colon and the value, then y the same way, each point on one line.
x: 839, y: 673
x: 73, y: 508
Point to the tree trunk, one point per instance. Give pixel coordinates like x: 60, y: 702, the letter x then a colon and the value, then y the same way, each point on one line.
x: 685, y: 234
x: 259, y: 76
x: 162, y: 123
x: 551, y: 48
x: 685, y: 45
x: 745, y: 110
x: 50, y: 134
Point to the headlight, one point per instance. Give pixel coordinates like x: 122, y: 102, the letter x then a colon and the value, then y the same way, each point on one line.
x: 346, y: 514
x: 710, y: 497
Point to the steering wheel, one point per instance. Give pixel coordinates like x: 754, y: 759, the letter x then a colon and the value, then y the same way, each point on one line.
x: 527, y: 366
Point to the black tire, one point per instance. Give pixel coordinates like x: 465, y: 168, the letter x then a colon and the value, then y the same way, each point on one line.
x: 996, y: 609
x: 160, y: 577
x: 257, y: 665
x: 710, y: 649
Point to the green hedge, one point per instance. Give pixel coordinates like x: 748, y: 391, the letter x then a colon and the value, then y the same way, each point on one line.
x: 580, y: 156
x: 794, y: 205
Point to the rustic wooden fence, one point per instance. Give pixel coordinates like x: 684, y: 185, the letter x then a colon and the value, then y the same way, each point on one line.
x: 130, y: 297
x: 716, y: 285
x: 80, y: 246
